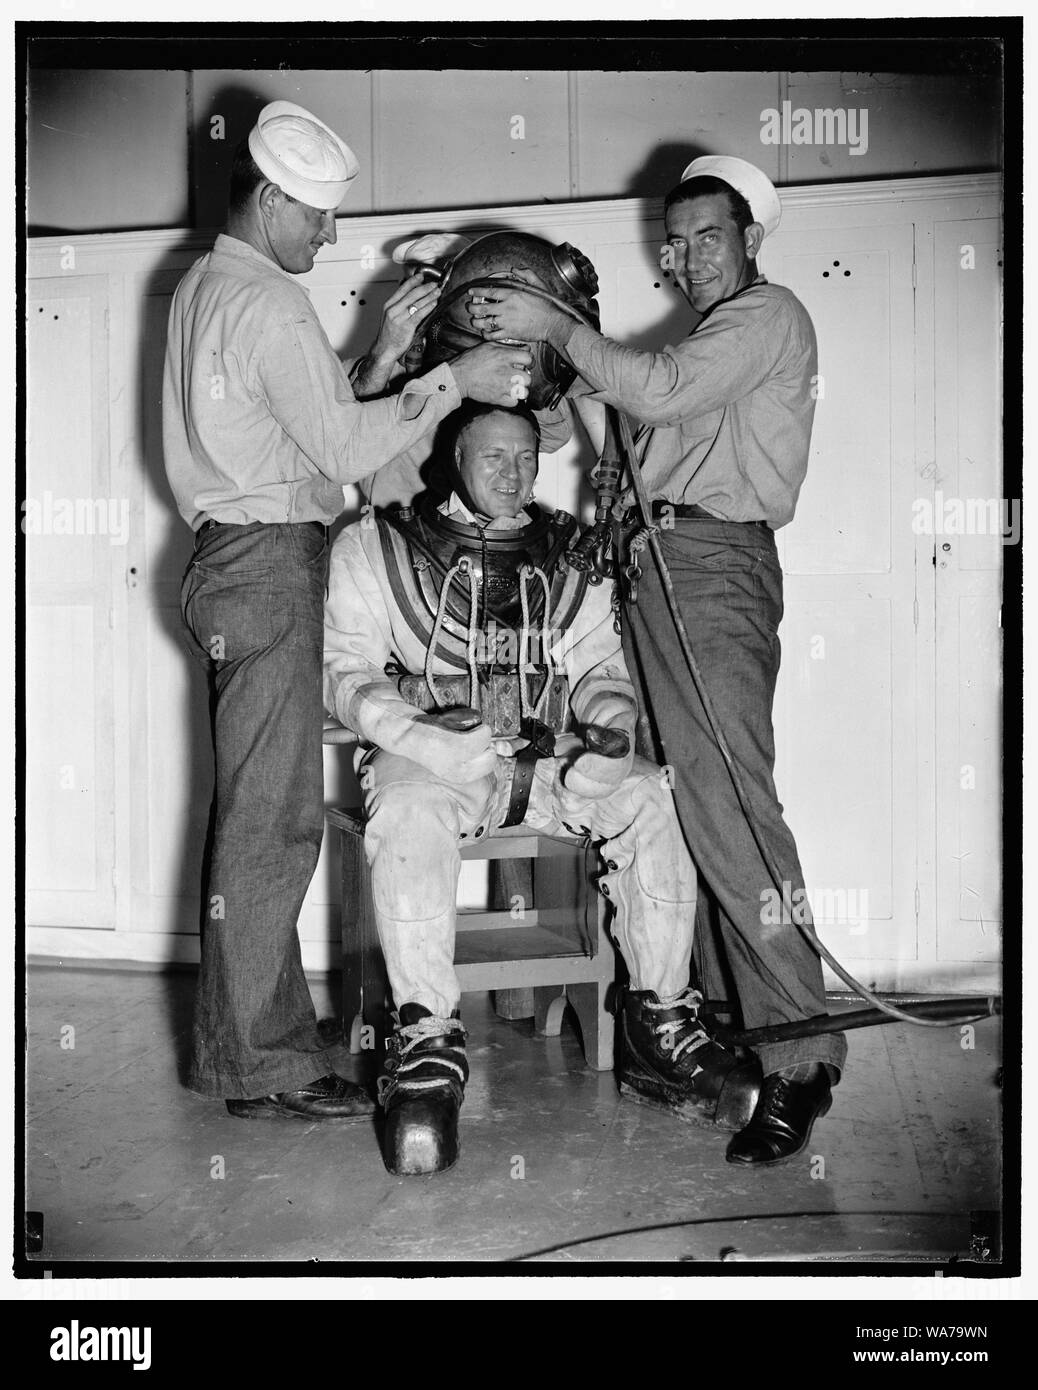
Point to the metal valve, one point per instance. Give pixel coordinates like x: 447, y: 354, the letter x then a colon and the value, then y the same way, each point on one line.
x: 575, y: 267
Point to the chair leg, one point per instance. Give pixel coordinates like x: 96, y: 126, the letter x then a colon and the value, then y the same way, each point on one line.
x: 549, y: 1004
x: 511, y: 879
x: 597, y: 1029
x: 354, y: 1036
x: 514, y: 1003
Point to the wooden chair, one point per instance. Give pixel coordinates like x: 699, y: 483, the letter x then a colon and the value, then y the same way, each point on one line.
x: 558, y: 943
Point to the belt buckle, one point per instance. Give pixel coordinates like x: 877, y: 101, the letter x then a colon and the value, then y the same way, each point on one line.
x: 542, y: 739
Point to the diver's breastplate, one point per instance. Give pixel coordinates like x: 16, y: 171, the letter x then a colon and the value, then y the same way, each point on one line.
x: 495, y: 559
x: 421, y: 548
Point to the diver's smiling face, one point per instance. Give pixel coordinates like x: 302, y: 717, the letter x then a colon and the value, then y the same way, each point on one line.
x: 711, y: 258
x: 496, y: 458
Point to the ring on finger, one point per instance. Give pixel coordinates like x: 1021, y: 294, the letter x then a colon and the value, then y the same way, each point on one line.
x: 413, y: 310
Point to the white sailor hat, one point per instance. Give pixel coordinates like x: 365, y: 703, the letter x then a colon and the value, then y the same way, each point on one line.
x: 303, y: 156
x: 745, y: 178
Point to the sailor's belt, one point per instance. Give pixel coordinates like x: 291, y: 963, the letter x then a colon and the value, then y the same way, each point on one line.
x: 692, y: 511
x: 683, y: 511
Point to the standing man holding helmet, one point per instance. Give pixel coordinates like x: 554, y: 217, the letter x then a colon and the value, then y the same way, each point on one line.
x: 722, y: 445
x: 261, y: 429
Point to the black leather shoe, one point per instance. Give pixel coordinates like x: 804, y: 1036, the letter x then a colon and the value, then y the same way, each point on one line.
x: 669, y: 1060
x: 421, y: 1092
x: 782, y: 1122
x: 328, y: 1098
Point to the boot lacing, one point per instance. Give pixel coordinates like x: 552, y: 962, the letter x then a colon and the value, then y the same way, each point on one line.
x: 405, y: 1038
x: 691, y: 1000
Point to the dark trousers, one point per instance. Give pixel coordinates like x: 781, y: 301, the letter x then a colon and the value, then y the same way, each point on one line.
x: 253, y: 600
x: 728, y: 583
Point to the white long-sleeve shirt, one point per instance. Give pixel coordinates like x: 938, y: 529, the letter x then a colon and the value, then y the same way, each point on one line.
x: 260, y: 422
x: 725, y: 416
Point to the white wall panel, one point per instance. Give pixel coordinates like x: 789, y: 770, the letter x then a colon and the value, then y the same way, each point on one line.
x: 846, y: 717
x: 477, y: 139
x: 60, y: 427
x: 965, y: 550
x: 436, y: 139
x: 915, y: 122
x: 87, y: 129
x: 835, y: 717
x: 843, y: 519
x: 976, y: 857
x: 61, y: 771
x: 74, y: 531
x: 638, y: 130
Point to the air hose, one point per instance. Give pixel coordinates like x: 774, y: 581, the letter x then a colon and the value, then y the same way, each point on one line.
x: 801, y: 917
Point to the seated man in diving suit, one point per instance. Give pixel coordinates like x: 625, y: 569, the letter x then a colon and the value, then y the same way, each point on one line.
x: 431, y: 616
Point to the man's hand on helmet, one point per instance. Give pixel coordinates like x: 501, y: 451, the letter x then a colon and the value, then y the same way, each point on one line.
x: 403, y: 314
x: 494, y: 374
x: 510, y: 314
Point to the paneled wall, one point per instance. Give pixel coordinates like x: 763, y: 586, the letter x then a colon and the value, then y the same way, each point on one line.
x: 112, y: 150
x: 887, y: 713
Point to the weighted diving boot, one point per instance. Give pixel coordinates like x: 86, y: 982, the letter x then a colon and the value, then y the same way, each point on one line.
x: 669, y: 1060
x: 421, y: 1091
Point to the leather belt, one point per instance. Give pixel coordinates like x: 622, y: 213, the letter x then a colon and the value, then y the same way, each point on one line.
x: 685, y: 511
x: 522, y: 785
x: 205, y: 526
x: 541, y: 745
x: 691, y: 511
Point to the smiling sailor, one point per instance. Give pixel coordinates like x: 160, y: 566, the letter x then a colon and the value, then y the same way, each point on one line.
x: 261, y: 429
x: 724, y: 430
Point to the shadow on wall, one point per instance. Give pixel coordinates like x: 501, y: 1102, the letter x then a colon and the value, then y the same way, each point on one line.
x: 652, y: 182
x: 218, y: 130
x: 106, y: 150
x: 661, y: 171
x: 188, y: 833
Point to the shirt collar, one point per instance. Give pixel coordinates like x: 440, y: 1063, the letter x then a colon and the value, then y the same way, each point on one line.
x: 456, y: 509
x: 752, y: 284
x: 241, y: 250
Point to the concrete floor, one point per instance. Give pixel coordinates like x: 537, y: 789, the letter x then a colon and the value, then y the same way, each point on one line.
x: 125, y: 1164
